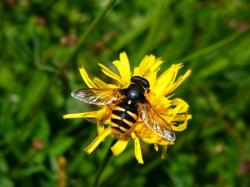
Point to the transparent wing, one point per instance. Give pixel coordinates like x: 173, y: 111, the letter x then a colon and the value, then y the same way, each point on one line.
x: 97, y: 96
x: 155, y: 122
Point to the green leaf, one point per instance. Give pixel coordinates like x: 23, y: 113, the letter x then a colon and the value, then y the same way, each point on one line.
x: 34, y: 93
x: 3, y: 164
x: 60, y: 145
x: 6, y: 182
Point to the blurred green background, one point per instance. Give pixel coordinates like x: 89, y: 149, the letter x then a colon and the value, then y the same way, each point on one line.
x: 42, y: 44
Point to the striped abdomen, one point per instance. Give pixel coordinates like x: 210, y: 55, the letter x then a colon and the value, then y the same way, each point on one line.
x: 122, y: 119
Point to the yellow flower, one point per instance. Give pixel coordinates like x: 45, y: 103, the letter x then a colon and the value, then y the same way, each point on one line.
x: 173, y: 110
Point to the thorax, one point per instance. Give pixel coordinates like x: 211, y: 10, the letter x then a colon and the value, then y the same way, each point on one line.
x: 134, y: 94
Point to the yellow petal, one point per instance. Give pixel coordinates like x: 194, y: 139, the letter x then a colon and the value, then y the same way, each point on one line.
x: 180, y: 80
x: 157, y: 140
x: 100, y: 128
x: 151, y: 77
x: 179, y: 115
x: 182, y: 103
x: 149, y: 140
x: 103, y: 112
x: 160, y: 102
x: 110, y: 73
x: 156, y: 146
x: 86, y: 78
x: 164, y: 152
x: 166, y: 79
x: 144, y: 66
x: 97, y: 141
x: 174, y: 112
x: 156, y: 64
x: 182, y: 117
x: 119, y: 146
x: 101, y: 84
x: 180, y: 127
x: 81, y: 115
x: 102, y: 116
x: 148, y: 64
x: 138, y: 154
x: 123, y: 68
x: 189, y: 116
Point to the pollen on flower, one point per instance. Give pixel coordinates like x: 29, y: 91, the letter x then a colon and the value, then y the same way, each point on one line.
x: 152, y: 117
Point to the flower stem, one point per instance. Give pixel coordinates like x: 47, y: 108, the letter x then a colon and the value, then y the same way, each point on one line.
x: 103, y: 165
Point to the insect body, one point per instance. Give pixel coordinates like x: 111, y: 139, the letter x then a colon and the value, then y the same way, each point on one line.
x: 125, y: 113
x: 130, y: 103
x: 122, y: 119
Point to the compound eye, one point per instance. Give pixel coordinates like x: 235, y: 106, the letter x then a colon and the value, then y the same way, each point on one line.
x: 137, y: 79
x: 133, y: 79
x: 145, y: 83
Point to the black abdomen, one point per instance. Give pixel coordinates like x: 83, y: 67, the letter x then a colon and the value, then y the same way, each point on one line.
x: 123, y: 117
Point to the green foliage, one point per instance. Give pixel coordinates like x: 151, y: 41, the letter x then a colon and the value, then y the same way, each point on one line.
x: 39, y: 60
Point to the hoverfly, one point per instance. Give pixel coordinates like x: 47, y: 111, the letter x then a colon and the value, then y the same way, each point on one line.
x: 128, y: 105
